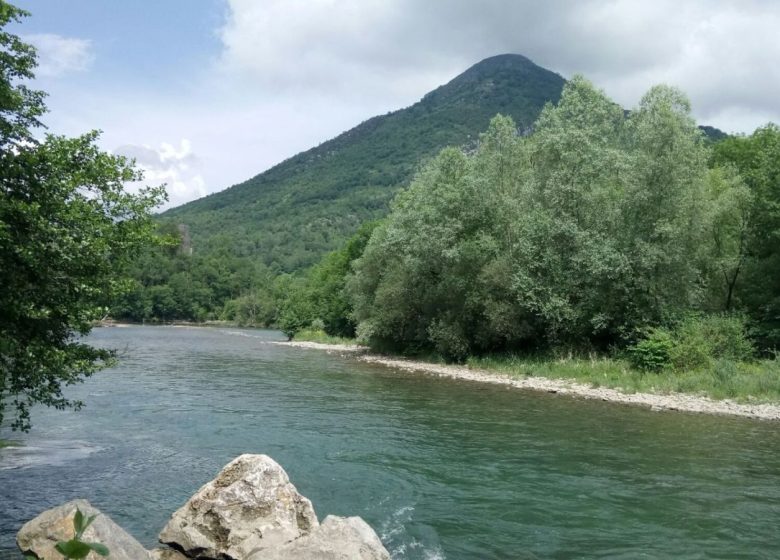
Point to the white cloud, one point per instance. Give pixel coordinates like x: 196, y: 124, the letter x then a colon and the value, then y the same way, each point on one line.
x: 178, y: 168
x: 292, y: 73
x: 58, y: 55
x: 722, y: 53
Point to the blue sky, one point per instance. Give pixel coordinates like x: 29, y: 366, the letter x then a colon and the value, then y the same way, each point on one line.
x: 154, y: 45
x: 207, y: 93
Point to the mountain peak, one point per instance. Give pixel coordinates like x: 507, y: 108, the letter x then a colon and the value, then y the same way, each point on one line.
x: 290, y: 214
x: 493, y: 80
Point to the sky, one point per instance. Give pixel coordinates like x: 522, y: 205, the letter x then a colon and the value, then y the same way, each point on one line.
x: 205, y: 94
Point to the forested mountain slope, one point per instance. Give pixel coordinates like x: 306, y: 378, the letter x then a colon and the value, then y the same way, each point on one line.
x: 291, y: 214
x: 238, y: 241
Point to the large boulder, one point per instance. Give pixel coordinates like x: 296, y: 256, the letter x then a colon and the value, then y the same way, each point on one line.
x: 38, y: 537
x: 249, y: 507
x: 338, y: 538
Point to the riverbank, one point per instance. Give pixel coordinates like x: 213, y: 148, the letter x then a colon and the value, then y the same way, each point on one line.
x: 519, y: 378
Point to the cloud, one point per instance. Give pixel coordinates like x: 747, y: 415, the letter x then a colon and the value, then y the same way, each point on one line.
x: 286, y: 75
x: 178, y: 168
x: 723, y: 54
x: 58, y: 55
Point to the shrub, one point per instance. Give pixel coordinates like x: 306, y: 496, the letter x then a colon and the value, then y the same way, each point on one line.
x: 696, y: 342
x: 364, y: 333
x: 654, y: 352
x: 449, y: 340
x: 701, y: 340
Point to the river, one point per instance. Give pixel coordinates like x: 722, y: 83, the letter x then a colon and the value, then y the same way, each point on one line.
x: 440, y: 468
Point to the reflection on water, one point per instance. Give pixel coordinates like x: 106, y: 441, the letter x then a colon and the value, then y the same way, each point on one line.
x: 441, y: 468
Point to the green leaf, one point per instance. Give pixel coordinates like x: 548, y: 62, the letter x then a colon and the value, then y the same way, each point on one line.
x: 73, y: 549
x: 78, y: 521
x: 99, y: 548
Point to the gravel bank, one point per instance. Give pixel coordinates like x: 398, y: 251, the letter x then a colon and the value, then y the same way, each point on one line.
x: 675, y: 401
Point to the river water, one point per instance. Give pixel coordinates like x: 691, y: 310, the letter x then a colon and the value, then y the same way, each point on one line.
x: 440, y: 468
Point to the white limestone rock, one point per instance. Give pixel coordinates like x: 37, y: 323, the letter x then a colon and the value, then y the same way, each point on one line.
x: 338, y: 538
x: 249, y: 507
x: 38, y: 536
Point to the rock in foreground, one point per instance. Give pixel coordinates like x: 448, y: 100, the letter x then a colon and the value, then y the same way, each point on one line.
x: 38, y: 537
x: 338, y: 538
x: 250, y: 506
x: 251, y: 511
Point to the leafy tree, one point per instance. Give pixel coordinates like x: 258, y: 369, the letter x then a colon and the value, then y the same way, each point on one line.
x: 757, y: 159
x: 580, y: 234
x: 67, y: 231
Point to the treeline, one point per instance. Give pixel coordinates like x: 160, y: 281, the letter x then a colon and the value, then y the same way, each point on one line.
x: 591, y: 232
x: 596, y: 228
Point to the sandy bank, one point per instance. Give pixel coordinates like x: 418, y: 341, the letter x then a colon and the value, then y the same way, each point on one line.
x: 675, y: 401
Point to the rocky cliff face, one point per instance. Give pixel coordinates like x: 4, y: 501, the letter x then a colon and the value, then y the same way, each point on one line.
x: 250, y: 511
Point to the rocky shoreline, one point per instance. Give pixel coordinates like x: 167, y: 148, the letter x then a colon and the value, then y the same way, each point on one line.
x: 250, y: 511
x: 675, y: 401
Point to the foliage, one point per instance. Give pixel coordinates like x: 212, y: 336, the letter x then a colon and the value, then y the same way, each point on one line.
x: 653, y: 352
x: 293, y: 213
x: 696, y: 342
x: 67, y: 232
x: 592, y: 227
x: 312, y: 334
x: 702, y: 340
x: 757, y: 160
x: 317, y: 300
x: 170, y: 284
x: 285, y: 219
x: 76, y: 548
x: 751, y: 382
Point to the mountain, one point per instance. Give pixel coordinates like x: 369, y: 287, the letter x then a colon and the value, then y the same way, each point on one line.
x: 291, y: 214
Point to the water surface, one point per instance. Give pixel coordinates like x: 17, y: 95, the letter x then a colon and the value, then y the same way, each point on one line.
x: 440, y: 468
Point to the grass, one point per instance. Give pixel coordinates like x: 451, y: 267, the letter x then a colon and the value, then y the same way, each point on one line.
x: 309, y: 335
x: 741, y: 381
x: 754, y: 382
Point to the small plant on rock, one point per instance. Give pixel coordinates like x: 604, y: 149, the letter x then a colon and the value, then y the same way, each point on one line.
x: 75, y: 548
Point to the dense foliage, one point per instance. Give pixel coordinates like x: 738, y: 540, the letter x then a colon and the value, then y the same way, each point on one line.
x: 67, y: 231
x: 291, y: 215
x: 595, y: 227
x: 755, y: 229
x: 284, y: 220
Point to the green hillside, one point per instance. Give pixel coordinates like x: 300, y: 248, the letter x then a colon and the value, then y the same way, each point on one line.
x: 288, y: 216
x: 238, y: 242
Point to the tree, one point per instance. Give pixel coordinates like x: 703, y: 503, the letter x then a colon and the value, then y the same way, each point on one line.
x: 578, y: 235
x: 757, y: 159
x: 67, y: 231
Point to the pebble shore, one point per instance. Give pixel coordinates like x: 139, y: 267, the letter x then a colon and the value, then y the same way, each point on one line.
x: 675, y: 401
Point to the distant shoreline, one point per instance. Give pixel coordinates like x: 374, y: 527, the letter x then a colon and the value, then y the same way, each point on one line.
x: 675, y: 401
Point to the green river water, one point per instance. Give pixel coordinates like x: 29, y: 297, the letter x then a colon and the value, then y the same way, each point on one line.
x: 440, y: 468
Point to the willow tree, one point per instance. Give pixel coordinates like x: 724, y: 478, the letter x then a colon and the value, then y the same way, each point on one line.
x: 592, y: 227
x: 756, y: 288
x: 67, y: 229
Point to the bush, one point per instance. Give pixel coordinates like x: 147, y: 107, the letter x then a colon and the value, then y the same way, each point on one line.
x: 449, y: 340
x: 701, y: 340
x: 697, y: 342
x: 364, y: 333
x: 654, y: 352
